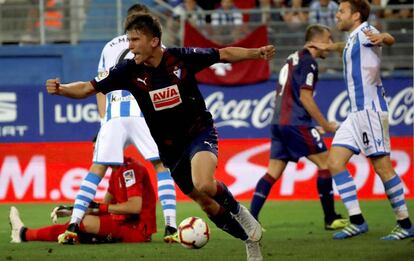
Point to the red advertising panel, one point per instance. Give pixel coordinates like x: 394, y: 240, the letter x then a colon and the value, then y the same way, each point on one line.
x: 43, y: 172
x: 226, y: 73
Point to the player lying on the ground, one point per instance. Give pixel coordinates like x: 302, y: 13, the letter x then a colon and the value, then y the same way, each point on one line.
x: 127, y: 213
x: 293, y: 132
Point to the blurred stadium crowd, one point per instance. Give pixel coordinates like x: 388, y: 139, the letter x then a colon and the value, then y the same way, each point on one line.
x: 28, y: 22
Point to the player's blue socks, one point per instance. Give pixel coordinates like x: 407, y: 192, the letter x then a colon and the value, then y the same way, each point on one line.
x: 225, y: 198
x: 324, y: 185
x: 347, y: 190
x: 84, y: 196
x: 225, y: 221
x: 263, y: 187
x: 395, y: 193
x: 167, y: 197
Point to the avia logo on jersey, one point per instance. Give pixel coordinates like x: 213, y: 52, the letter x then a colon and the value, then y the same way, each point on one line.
x: 165, y: 98
x: 8, y: 106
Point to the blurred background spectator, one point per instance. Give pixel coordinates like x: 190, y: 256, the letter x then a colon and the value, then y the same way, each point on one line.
x: 401, y: 13
x: 323, y: 12
x: 267, y: 12
x: 53, y: 17
x: 295, y: 16
x: 227, y: 14
x: 193, y: 13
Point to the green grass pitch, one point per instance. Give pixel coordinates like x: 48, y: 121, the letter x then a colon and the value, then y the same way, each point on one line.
x: 294, y: 231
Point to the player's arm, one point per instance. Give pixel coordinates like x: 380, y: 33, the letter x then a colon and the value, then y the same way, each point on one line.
x: 107, y: 198
x: 331, y: 47
x: 306, y: 97
x: 75, y: 90
x: 132, y: 206
x: 236, y: 54
x: 380, y: 38
x: 101, y: 102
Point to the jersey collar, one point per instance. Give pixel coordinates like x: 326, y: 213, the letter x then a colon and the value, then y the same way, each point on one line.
x: 356, y: 30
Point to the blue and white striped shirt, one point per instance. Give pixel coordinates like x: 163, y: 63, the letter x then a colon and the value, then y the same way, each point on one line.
x: 119, y: 103
x: 362, y: 68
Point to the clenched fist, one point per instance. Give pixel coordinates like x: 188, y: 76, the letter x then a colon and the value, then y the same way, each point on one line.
x: 52, y: 86
x: 267, y: 52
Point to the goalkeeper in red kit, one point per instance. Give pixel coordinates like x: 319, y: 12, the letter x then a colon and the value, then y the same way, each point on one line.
x: 127, y: 213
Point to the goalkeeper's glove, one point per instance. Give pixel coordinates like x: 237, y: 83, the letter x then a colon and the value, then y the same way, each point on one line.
x: 97, y: 208
x: 60, y: 211
x: 66, y: 211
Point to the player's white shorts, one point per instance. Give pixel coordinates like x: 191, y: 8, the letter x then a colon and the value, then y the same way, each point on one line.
x: 365, y: 131
x: 116, y: 134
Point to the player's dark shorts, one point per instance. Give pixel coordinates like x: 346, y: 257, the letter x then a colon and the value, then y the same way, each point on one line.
x: 289, y: 143
x: 181, y: 171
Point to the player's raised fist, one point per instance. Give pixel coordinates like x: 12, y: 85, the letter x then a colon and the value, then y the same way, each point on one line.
x: 52, y: 86
x: 267, y: 52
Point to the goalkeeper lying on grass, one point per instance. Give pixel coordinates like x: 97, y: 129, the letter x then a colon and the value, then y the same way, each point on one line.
x: 127, y: 213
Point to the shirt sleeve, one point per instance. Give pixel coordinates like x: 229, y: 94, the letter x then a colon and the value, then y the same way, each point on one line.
x: 196, y: 58
x: 133, y: 178
x: 363, y: 38
x: 101, y: 65
x: 111, y: 80
x: 309, y: 74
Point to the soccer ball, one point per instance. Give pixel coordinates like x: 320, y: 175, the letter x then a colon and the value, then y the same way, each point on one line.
x: 193, y: 232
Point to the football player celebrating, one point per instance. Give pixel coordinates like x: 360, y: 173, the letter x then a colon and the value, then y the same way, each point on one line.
x: 164, y: 84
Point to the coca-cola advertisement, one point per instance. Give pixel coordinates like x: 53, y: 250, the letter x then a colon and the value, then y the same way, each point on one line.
x: 245, y: 111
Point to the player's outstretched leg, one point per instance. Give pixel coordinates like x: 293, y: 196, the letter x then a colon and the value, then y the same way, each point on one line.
x: 83, y: 198
x: 240, y: 213
x: 347, y: 191
x: 263, y: 187
x: 167, y: 197
x: 395, y: 193
x: 17, y: 226
x: 332, y: 220
x: 225, y: 221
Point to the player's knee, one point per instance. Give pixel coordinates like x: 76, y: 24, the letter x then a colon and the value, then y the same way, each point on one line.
x: 99, y: 169
x: 158, y: 166
x: 335, y: 165
x: 385, y: 172
x: 205, y: 187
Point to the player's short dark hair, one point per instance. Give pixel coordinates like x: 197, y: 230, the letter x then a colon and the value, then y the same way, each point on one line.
x: 145, y: 23
x: 137, y: 8
x: 361, y: 6
x: 315, y: 30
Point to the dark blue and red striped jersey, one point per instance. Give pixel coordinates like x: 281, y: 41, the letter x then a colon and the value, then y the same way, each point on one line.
x: 168, y: 96
x: 300, y: 71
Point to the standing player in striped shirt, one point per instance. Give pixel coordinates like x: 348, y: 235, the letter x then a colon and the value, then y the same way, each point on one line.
x: 293, y: 133
x: 122, y: 124
x: 366, y: 127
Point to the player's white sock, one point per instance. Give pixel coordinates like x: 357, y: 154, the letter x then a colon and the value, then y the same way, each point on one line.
x: 167, y: 196
x: 84, y: 196
x: 395, y: 194
x: 347, y: 190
